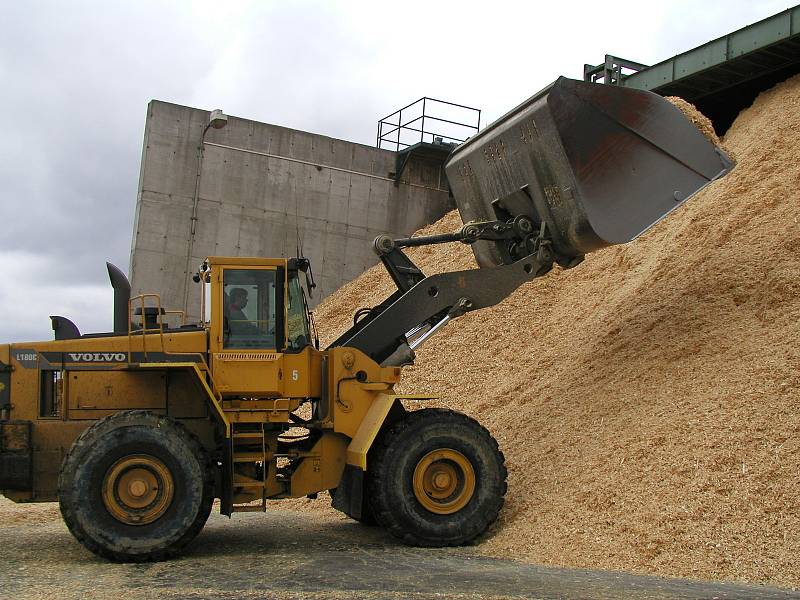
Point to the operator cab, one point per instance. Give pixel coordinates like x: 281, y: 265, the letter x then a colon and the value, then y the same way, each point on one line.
x: 257, y: 304
x: 260, y: 333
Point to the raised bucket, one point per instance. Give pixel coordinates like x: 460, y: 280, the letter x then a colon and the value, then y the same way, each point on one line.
x: 599, y: 164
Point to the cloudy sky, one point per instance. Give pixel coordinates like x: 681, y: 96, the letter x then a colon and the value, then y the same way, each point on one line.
x: 77, y: 77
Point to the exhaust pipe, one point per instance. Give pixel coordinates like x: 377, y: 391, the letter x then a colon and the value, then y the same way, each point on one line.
x: 122, y: 295
x: 63, y: 328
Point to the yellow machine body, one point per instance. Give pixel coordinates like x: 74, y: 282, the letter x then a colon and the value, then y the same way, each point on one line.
x: 238, y: 401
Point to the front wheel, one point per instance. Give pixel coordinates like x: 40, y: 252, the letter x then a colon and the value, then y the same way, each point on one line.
x: 437, y: 478
x: 136, y: 486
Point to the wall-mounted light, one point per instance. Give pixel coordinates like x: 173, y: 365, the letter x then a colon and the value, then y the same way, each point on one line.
x: 217, y: 120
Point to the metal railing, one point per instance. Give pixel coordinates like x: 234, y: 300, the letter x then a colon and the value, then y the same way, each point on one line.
x: 611, y: 70
x: 393, y: 130
x: 143, y: 328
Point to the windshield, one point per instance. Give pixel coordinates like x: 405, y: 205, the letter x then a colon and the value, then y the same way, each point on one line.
x: 249, y: 304
x: 297, y: 315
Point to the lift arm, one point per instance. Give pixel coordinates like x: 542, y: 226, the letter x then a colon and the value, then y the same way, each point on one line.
x: 389, y: 332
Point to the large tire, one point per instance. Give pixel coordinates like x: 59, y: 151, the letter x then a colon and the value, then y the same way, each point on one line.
x: 437, y: 478
x: 135, y: 487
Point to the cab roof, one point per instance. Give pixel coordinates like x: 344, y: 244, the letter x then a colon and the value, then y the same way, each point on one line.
x: 246, y: 261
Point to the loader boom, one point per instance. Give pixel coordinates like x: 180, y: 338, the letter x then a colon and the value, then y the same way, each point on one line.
x: 574, y: 169
x: 389, y: 332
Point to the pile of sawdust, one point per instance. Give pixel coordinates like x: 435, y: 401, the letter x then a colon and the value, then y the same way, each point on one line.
x: 697, y: 118
x: 648, y: 400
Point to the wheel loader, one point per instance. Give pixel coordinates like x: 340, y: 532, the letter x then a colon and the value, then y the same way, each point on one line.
x: 137, y: 431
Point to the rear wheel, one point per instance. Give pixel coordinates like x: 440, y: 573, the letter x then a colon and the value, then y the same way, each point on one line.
x: 136, y: 486
x: 437, y: 478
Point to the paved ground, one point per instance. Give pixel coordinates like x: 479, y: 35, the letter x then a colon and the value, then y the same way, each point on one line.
x: 287, y: 554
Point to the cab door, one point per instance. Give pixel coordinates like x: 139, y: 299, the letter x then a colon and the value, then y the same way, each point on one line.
x: 247, y: 330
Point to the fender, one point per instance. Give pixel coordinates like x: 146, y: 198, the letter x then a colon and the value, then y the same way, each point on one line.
x: 385, y: 409
x: 348, y: 496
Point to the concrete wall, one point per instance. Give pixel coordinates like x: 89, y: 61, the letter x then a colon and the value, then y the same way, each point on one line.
x: 259, y: 183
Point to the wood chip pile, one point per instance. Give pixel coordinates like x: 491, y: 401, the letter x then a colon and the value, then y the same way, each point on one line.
x: 647, y: 401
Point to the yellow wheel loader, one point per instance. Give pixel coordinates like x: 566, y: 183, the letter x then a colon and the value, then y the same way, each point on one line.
x: 135, y: 432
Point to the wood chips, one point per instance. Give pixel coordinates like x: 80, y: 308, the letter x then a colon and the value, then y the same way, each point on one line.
x: 647, y: 400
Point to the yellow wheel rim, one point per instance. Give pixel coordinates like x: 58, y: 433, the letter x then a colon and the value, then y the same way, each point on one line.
x: 138, y: 489
x: 444, y: 481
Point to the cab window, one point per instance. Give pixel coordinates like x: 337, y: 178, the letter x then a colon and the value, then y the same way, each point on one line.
x: 249, y: 308
x: 297, y: 315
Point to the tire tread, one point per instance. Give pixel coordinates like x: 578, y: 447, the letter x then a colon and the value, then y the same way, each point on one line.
x: 105, y: 426
x: 379, y: 485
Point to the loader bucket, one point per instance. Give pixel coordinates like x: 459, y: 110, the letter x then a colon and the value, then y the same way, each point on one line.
x: 598, y: 164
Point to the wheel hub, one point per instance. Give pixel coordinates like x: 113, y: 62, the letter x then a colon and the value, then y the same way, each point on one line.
x: 138, y: 489
x: 441, y: 481
x: 444, y: 481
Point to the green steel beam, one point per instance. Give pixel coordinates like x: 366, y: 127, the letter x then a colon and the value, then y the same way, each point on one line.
x: 751, y: 39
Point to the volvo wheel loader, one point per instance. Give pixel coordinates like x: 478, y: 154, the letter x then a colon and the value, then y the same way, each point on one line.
x: 135, y: 432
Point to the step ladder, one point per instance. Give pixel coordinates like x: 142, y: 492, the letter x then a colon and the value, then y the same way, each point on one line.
x: 249, y: 445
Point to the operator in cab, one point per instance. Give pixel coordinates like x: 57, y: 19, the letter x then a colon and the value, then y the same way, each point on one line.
x: 239, y: 323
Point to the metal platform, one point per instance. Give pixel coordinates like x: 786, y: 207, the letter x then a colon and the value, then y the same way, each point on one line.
x: 419, y: 131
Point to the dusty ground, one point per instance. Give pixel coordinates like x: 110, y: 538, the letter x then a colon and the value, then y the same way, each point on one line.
x: 304, y: 556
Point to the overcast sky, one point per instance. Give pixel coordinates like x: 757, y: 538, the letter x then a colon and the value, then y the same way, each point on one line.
x: 77, y: 77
